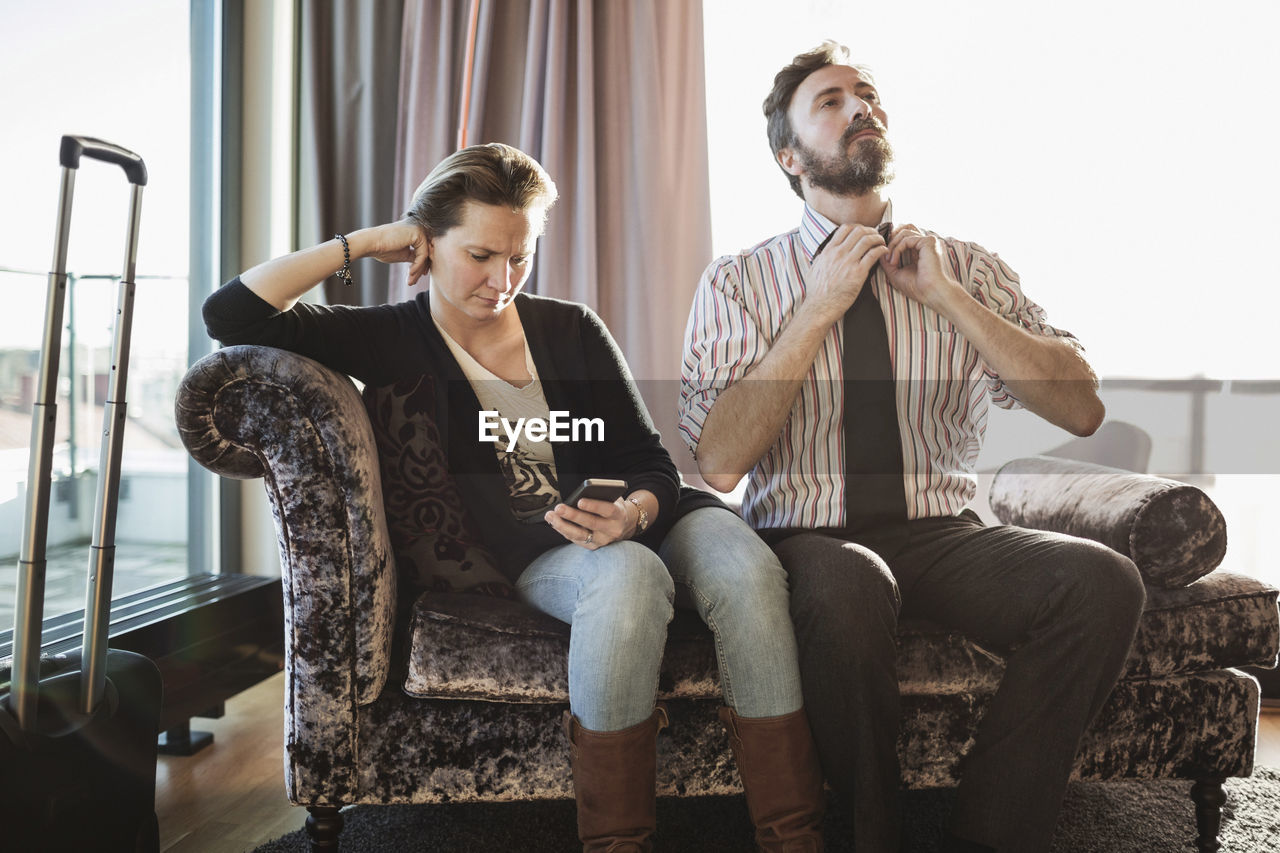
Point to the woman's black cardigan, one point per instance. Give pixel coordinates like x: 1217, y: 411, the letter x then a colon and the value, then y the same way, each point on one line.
x: 582, y: 372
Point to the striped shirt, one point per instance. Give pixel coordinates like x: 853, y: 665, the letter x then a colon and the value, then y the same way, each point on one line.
x: 943, y: 386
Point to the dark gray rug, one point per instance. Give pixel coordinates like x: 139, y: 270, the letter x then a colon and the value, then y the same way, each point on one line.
x: 1110, y: 817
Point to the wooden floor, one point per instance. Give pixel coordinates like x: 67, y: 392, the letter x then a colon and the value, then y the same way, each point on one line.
x: 1268, y: 753
x: 230, y: 796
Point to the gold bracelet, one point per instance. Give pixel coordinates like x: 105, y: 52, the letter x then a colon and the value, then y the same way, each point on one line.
x: 642, y: 524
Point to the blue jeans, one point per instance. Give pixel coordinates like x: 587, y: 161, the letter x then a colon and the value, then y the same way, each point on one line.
x: 620, y: 598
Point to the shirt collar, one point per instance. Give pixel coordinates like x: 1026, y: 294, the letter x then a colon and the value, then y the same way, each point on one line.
x: 814, y: 228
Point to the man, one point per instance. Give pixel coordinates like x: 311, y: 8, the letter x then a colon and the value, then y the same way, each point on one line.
x: 846, y: 367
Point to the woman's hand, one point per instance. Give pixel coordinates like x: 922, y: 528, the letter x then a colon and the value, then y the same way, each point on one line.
x: 402, y: 242
x: 594, y: 524
x: 282, y: 281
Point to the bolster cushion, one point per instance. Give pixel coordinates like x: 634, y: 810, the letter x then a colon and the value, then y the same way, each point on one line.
x: 1172, y: 531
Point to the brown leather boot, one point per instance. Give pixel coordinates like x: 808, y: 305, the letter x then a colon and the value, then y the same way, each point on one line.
x: 778, y: 763
x: 614, y: 780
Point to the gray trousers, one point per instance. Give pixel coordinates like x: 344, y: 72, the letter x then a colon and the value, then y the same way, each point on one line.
x: 1061, y: 610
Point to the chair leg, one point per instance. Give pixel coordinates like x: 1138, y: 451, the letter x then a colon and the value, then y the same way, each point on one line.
x: 1209, y: 798
x: 324, y: 825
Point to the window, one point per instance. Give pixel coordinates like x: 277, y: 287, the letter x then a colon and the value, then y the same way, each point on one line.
x: 1119, y: 156
x: 120, y: 72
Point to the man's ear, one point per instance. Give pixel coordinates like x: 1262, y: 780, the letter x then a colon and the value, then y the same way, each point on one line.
x: 790, y: 162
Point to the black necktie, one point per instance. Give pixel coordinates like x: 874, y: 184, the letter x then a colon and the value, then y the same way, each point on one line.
x: 872, y: 445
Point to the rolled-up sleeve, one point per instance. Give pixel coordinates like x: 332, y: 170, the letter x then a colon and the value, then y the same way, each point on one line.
x: 993, y: 283
x: 722, y: 343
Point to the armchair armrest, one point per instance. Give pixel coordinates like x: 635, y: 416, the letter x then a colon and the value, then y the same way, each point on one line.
x: 249, y: 411
x: 1172, y: 531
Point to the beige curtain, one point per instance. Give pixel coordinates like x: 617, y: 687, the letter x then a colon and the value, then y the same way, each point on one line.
x: 609, y: 96
x: 349, y: 62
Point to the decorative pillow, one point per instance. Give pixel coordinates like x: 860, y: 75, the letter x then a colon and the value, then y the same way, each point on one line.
x: 434, y: 539
x: 1172, y: 531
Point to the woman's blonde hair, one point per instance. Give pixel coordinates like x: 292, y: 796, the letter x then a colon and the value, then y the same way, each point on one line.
x: 490, y: 174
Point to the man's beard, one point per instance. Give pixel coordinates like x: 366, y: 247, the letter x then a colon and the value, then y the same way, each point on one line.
x: 865, y: 169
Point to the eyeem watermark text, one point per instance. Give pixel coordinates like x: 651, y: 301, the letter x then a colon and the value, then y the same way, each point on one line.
x: 560, y: 427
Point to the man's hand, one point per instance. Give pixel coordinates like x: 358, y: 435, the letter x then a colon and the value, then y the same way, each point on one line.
x: 1048, y: 375
x: 842, y: 267
x: 916, y: 268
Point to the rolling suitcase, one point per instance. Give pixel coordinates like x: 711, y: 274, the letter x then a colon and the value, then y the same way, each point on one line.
x: 78, y: 746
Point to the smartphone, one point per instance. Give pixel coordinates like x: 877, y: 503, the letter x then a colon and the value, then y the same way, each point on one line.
x: 598, y: 490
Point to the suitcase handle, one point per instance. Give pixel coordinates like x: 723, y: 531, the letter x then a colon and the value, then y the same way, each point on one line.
x: 24, y: 682
x: 74, y: 146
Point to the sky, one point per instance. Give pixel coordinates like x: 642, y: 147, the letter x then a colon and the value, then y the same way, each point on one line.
x: 114, y: 70
x: 1119, y: 155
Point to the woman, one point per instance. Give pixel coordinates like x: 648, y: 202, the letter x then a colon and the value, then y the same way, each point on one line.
x: 608, y: 568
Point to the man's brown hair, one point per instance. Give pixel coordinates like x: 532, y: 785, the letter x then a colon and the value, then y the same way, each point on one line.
x: 785, y: 83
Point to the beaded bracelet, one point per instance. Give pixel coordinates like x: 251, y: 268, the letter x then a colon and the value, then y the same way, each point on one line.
x: 345, y: 272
